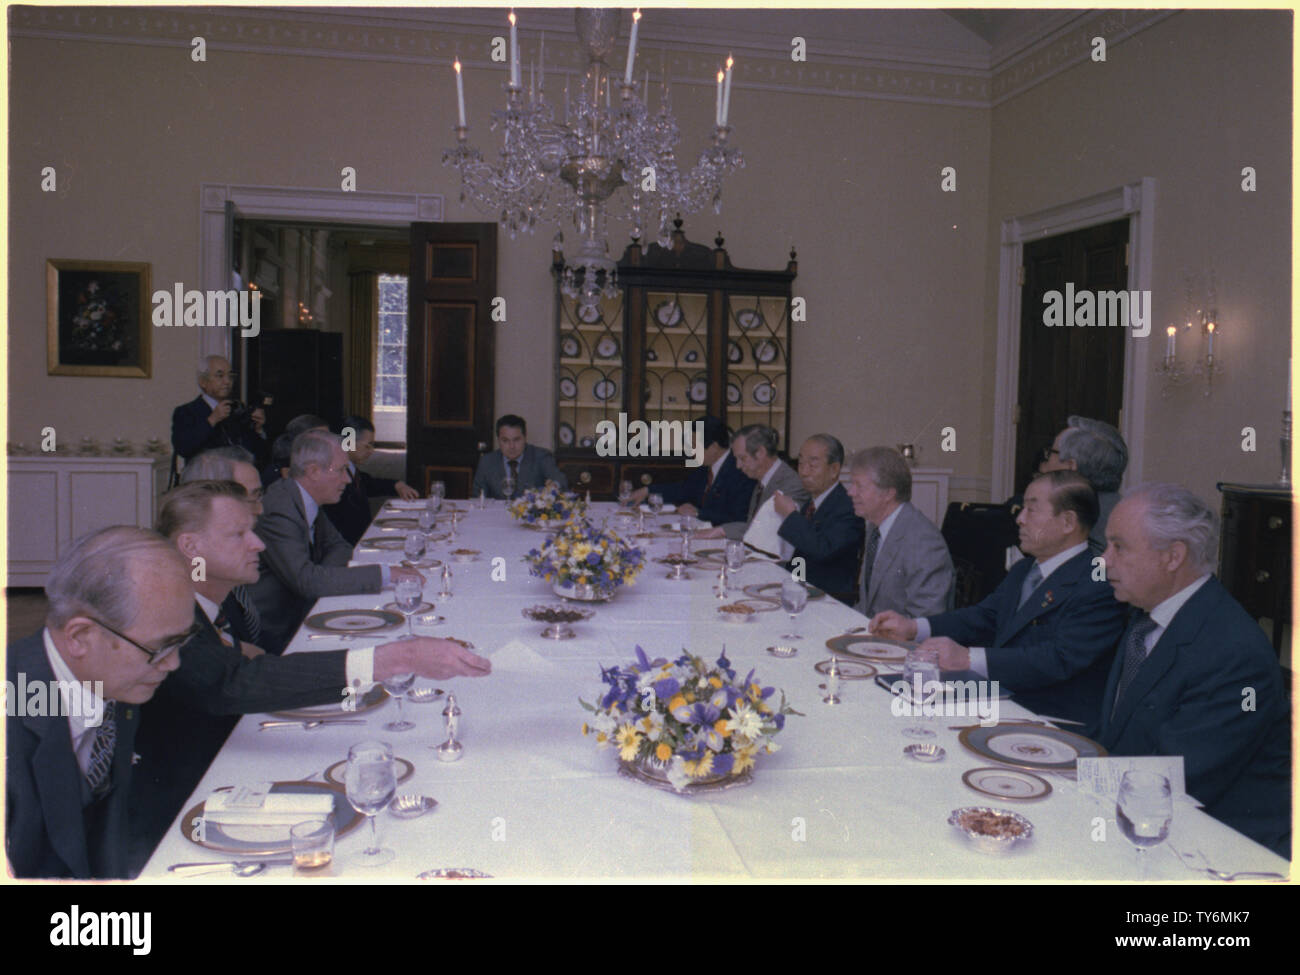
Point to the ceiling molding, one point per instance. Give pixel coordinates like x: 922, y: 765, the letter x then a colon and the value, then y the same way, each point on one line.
x: 1025, y: 53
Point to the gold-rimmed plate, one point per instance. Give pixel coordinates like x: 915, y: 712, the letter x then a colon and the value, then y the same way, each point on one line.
x: 772, y: 590
x: 867, y: 647
x: 373, y: 698
x: 1032, y: 747
x: 1006, y: 783
x: 336, y: 774
x: 353, y: 621
x: 252, y: 840
x: 396, y: 522
x: 849, y: 669
x: 381, y: 544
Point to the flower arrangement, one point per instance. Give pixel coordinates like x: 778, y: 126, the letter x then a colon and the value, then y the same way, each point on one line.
x: 686, y: 720
x: 545, y: 506
x: 96, y: 325
x: 582, y: 555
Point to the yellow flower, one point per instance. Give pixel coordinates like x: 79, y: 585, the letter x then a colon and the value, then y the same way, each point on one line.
x: 629, y: 742
x: 720, y: 726
x: 663, y: 752
x: 744, y: 759
x: 585, y: 728
x: 715, y: 681
x: 701, y: 768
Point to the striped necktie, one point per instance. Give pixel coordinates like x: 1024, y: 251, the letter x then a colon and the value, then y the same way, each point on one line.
x: 101, y: 752
x: 809, y: 510
x: 1135, y: 654
x: 1031, y: 583
x: 869, y: 558
x: 252, y: 618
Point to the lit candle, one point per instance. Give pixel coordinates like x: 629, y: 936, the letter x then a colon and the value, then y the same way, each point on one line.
x: 541, y: 65
x: 514, y: 51
x: 460, y: 93
x: 631, y: 48
x: 1169, y: 348
x: 726, y: 92
x: 1209, y: 329
x: 717, y: 115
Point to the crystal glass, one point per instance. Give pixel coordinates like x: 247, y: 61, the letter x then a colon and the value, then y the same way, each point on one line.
x: 922, y: 665
x: 371, y: 783
x: 624, y: 492
x: 414, y: 546
x: 437, y: 492
x: 656, y: 502
x: 312, y: 842
x: 397, y: 685
x: 508, y: 486
x: 735, y: 554
x: 408, y: 593
x: 794, y: 597
x: 428, y: 517
x: 1144, y: 811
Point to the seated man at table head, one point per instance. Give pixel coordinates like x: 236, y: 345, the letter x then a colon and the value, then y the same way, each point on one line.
x: 906, y: 566
x: 351, y: 515
x: 1048, y: 632
x: 826, y: 532
x: 282, y: 448
x: 119, y: 609
x: 1194, y: 674
x: 210, y: 421
x: 305, y: 557
x: 185, y: 725
x: 515, y: 458
x: 716, y: 491
x: 755, y: 449
x: 1097, y: 451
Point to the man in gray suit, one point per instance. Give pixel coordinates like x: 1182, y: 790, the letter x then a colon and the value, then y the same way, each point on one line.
x: 517, y: 464
x: 906, y: 563
x: 754, y: 448
x: 306, y: 557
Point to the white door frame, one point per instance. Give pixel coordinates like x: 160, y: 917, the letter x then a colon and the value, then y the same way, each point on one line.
x: 1136, y: 201
x: 291, y: 203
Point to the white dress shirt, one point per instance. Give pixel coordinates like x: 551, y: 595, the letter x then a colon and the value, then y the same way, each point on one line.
x: 82, y: 705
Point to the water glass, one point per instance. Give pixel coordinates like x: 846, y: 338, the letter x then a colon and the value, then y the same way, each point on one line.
x: 371, y: 783
x: 921, y: 685
x: 408, y: 593
x: 794, y: 597
x: 397, y: 685
x: 414, y: 546
x: 656, y: 502
x: 1144, y: 811
x: 312, y: 842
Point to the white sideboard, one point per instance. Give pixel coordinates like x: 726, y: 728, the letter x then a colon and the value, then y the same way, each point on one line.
x: 55, y: 498
x: 929, y: 491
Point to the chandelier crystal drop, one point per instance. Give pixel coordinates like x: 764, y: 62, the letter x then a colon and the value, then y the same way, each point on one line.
x: 573, y: 160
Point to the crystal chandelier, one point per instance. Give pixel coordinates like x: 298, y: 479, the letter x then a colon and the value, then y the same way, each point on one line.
x: 574, y: 161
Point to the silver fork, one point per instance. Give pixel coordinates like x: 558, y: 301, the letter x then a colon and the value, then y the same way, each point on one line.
x: 1188, y: 858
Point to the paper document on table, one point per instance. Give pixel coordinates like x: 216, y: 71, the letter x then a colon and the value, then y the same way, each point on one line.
x: 762, y: 533
x: 1101, y: 776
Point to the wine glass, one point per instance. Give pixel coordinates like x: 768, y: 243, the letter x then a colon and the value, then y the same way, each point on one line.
x: 428, y: 517
x: 1144, y: 810
x: 371, y: 784
x: 414, y: 546
x: 397, y: 685
x: 437, y: 492
x: 408, y: 593
x: 656, y: 502
x: 624, y: 493
x: 794, y: 597
x: 735, y: 554
x: 921, y: 682
x: 508, y: 487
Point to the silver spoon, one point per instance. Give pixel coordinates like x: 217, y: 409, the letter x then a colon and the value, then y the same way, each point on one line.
x: 309, y: 725
x: 240, y: 868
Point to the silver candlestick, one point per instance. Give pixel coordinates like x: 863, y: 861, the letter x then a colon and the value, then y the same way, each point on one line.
x: 1285, y: 443
x: 445, y: 592
x: 832, y: 682
x: 451, y: 749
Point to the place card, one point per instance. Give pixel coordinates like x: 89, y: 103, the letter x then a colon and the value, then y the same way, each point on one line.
x: 1101, y: 776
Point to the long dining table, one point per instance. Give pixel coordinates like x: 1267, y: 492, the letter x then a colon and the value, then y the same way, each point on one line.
x: 532, y: 798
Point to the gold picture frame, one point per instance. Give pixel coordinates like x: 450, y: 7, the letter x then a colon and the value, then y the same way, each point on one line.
x: 97, y: 318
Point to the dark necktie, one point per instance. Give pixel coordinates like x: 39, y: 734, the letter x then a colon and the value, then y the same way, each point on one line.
x: 1031, y: 582
x: 101, y: 752
x: 809, y: 510
x: 252, y: 618
x: 1135, y: 653
x: 223, y: 625
x: 869, y: 558
x: 753, y: 501
x: 316, y: 554
x: 514, y: 475
x: 708, y: 482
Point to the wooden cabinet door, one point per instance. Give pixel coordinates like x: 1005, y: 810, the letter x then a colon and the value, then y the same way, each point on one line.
x: 451, y: 353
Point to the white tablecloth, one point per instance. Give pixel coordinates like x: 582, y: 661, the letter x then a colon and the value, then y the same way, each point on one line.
x: 532, y: 798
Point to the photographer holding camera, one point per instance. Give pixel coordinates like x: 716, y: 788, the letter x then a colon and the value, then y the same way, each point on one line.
x: 214, y: 419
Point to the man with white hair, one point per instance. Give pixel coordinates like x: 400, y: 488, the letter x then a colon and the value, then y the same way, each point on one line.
x: 1097, y: 451
x: 206, y: 421
x: 306, y: 557
x: 1194, y: 675
x: 120, y: 609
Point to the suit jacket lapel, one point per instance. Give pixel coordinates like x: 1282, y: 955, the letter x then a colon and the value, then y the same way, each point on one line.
x: 1049, y: 594
x: 888, y: 552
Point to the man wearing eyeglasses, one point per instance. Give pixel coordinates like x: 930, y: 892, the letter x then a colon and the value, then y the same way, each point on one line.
x: 120, y: 606
x: 208, y: 421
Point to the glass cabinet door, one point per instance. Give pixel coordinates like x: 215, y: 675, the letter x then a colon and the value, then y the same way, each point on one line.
x: 676, y: 385
x: 591, y: 370
x: 758, y: 361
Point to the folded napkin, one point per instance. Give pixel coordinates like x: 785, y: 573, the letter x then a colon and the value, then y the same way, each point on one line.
x: 277, y: 808
x: 518, y: 657
x: 667, y: 509
x: 763, y: 533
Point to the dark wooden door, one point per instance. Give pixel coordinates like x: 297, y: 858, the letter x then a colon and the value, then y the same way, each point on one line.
x: 1070, y: 370
x: 451, y: 353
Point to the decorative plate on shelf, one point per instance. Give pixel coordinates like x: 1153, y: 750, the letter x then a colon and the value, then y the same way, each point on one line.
x: 668, y: 313
x: 605, y: 390
x: 568, y: 388
x: 587, y: 442
x: 651, y: 355
x: 764, y: 393
x: 588, y: 314
x: 566, y: 435
x: 733, y: 394
x: 570, y: 347
x: 607, y: 347
x: 734, y: 352
x: 691, y: 356
x: 699, y: 391
x: 749, y: 319
x: 765, y: 351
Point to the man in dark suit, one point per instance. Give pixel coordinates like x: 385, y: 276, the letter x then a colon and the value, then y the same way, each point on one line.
x: 282, y: 446
x: 755, y: 449
x: 825, y: 533
x: 1096, y: 450
x: 1194, y: 675
x: 716, y: 491
x: 906, y: 567
x: 1048, y: 632
x: 205, y: 422
x: 305, y: 557
x: 351, y: 516
x: 119, y: 609
x: 515, y: 461
x: 186, y: 723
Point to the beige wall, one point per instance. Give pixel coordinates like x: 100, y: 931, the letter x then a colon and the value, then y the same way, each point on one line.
x: 899, y: 277
x: 1190, y: 102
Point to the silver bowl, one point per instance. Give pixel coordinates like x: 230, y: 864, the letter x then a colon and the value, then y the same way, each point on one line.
x: 984, y: 841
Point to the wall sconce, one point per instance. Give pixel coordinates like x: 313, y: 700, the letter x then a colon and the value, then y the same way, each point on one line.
x: 1202, y: 318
